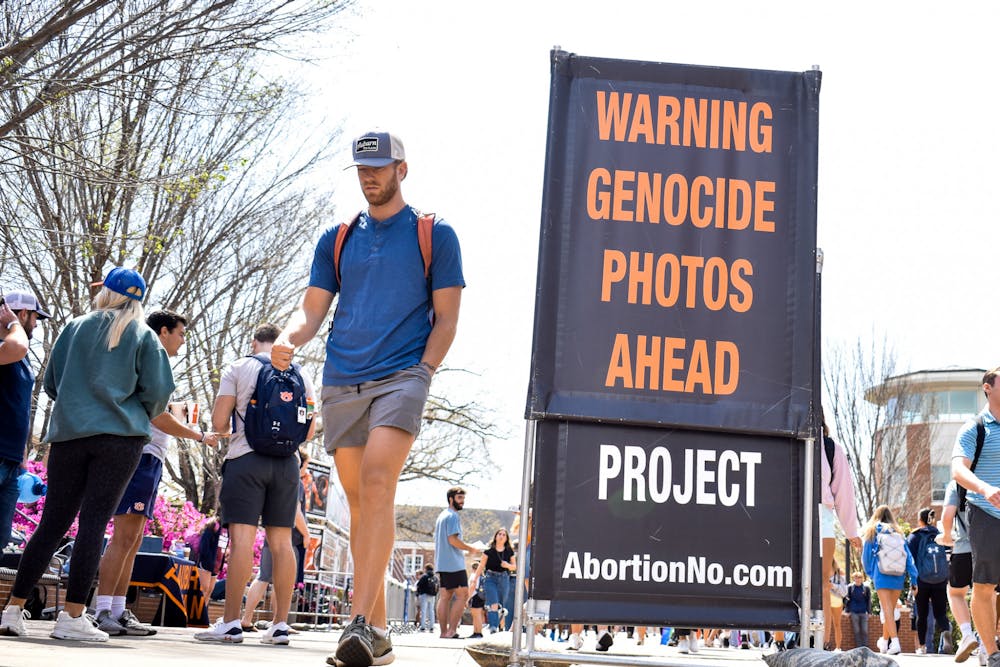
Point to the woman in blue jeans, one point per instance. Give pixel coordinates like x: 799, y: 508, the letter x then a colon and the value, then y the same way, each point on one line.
x: 494, y: 568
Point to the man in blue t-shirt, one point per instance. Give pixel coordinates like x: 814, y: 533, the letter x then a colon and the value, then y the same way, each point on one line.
x: 450, y: 563
x: 19, y: 315
x: 983, y: 516
x: 393, y: 325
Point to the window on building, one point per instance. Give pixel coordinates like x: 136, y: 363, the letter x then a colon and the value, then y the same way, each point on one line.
x: 942, y: 406
x: 412, y: 563
x: 940, y: 476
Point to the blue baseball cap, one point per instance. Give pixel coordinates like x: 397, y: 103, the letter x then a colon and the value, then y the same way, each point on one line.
x: 127, y: 282
x: 377, y: 149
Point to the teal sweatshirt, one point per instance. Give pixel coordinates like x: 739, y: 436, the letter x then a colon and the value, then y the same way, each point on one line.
x: 99, y: 391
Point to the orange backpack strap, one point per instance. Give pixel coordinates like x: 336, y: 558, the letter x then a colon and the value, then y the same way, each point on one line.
x: 343, y: 231
x: 425, y: 237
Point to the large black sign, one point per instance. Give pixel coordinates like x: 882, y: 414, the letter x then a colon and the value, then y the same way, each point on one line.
x: 640, y: 524
x: 677, y: 255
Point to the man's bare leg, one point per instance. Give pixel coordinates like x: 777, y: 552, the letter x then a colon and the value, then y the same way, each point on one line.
x: 283, y: 570
x: 241, y: 539
x: 115, y: 570
x: 984, y: 614
x: 369, y: 476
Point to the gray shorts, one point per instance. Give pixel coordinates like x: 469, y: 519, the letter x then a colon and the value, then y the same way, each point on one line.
x: 266, y: 564
x: 984, y: 536
x: 350, y: 412
x: 258, y: 488
x: 266, y: 572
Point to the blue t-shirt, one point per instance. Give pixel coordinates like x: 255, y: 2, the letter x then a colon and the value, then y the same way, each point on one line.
x: 446, y: 557
x: 17, y: 380
x: 382, y: 319
x: 988, y: 467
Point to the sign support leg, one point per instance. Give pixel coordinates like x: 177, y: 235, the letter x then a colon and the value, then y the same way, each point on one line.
x: 522, y: 561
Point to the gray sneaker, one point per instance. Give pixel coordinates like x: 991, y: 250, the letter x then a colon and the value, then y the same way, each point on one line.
x: 133, y: 626
x: 381, y: 649
x: 110, y: 625
x: 355, y: 648
x: 993, y: 660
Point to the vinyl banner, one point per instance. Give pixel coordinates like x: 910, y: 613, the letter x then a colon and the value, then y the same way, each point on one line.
x: 677, y: 252
x: 638, y: 524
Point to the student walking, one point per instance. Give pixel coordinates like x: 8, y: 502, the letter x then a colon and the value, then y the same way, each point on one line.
x: 108, y: 376
x: 887, y: 561
x: 396, y: 317
x: 497, y: 561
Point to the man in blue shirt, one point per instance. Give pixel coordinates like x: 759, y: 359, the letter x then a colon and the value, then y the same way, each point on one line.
x: 983, y: 511
x: 18, y: 317
x: 393, y: 325
x: 450, y: 563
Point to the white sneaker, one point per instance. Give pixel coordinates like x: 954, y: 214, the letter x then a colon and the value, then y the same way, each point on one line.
x: 276, y: 634
x: 882, y: 644
x: 684, y: 645
x: 965, y: 648
x: 12, y: 622
x: 220, y: 631
x: 82, y: 628
x: 575, y: 643
x: 894, y: 648
x: 693, y: 644
x: 982, y: 657
x: 921, y: 650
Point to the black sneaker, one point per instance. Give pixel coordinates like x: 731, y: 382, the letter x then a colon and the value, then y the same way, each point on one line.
x: 355, y: 646
x: 605, y: 641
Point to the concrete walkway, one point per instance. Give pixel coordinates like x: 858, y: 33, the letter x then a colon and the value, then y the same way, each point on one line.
x: 176, y: 647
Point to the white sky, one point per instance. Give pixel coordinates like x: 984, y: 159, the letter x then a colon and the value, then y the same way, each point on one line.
x: 907, y: 158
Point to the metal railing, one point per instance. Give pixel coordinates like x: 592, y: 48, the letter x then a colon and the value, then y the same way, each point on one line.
x: 324, y: 601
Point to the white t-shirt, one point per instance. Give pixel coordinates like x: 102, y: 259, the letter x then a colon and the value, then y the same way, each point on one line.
x: 158, y: 443
x: 240, y: 380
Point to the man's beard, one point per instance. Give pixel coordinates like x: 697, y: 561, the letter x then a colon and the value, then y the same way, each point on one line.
x: 386, y: 195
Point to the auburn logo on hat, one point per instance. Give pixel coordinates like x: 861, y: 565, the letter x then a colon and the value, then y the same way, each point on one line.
x: 366, y: 145
x: 286, y: 396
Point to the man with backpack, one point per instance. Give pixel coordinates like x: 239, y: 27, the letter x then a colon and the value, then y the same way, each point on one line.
x: 269, y: 412
x: 955, y: 535
x: 975, y: 465
x: 427, y: 590
x: 398, y: 274
x: 932, y: 579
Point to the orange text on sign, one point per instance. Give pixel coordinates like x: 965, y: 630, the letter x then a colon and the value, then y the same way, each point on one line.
x: 671, y: 364
x: 639, y: 196
x: 690, y: 281
x: 698, y: 122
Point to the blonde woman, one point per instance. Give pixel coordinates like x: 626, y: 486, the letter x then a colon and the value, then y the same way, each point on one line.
x: 107, y: 375
x: 838, y: 591
x: 875, y: 556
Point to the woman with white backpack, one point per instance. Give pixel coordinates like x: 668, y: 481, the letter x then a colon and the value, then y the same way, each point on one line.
x: 887, y: 560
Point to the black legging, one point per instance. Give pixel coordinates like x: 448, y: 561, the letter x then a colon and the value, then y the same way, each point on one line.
x: 89, y: 476
x: 937, y: 596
